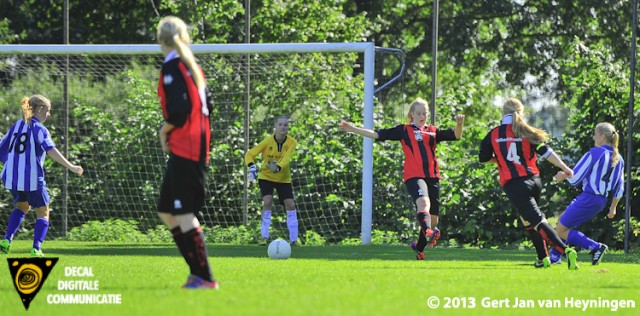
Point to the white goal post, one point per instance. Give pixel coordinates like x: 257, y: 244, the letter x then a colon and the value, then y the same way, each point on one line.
x: 10, y: 53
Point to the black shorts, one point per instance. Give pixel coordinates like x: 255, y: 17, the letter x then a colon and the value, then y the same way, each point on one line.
x: 285, y: 190
x: 182, y: 189
x: 524, y: 195
x: 417, y: 187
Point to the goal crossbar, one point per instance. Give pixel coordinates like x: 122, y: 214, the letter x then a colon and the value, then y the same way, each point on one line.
x: 196, y: 48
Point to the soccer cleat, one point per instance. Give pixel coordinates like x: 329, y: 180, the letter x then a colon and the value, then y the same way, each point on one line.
x: 295, y: 243
x: 544, y: 263
x: 572, y: 258
x: 434, y: 238
x: 555, y: 257
x: 430, y: 235
x: 419, y: 254
x: 195, y: 282
x: 36, y: 253
x: 596, y: 255
x: 5, y: 244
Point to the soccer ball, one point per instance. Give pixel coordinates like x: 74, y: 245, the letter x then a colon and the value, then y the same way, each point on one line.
x: 279, y: 249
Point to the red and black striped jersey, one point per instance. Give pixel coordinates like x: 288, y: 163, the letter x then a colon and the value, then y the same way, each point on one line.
x: 515, y: 156
x: 182, y: 106
x: 419, y: 147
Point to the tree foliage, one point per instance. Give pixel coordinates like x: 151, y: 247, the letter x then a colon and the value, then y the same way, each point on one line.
x: 576, y: 53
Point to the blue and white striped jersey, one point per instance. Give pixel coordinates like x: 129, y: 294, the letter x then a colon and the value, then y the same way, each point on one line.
x: 596, y: 174
x: 23, y: 151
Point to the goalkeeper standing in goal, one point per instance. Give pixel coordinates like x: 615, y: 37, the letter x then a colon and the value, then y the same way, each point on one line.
x: 185, y: 136
x: 513, y: 146
x: 22, y: 151
x: 421, y: 171
x: 276, y: 151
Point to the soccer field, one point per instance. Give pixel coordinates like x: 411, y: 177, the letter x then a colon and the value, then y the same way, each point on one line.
x: 327, y: 280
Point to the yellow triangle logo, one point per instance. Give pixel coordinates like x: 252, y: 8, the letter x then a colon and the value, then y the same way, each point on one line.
x: 28, y: 275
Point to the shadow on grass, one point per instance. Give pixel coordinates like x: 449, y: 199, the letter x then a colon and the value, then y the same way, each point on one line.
x: 371, y: 252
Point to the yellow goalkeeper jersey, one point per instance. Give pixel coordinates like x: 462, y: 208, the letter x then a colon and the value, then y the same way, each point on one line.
x: 272, y: 151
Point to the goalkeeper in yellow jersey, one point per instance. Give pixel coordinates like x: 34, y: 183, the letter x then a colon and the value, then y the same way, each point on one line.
x: 275, y: 172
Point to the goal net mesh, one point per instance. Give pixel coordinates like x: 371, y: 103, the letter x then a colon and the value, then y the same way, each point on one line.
x: 114, y: 116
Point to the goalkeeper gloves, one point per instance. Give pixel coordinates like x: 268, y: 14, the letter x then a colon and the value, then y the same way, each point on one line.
x: 273, y: 166
x: 253, y: 172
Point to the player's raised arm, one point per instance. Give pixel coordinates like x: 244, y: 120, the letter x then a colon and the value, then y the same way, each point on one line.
x: 351, y: 128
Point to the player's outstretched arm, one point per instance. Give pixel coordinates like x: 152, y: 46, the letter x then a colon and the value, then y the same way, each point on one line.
x: 557, y: 161
x: 351, y: 128
x: 59, y: 158
x: 560, y: 176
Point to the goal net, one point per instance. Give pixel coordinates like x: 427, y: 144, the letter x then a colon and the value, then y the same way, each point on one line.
x: 105, y: 116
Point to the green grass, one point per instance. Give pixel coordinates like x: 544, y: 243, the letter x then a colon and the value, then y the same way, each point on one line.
x: 329, y: 280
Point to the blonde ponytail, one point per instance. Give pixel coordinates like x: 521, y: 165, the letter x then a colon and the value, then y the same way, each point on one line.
x: 187, y: 57
x: 30, y: 104
x: 172, y: 31
x: 27, y: 111
x: 520, y: 127
x: 612, y: 138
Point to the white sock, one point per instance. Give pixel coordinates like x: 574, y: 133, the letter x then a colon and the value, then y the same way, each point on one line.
x: 266, y: 222
x: 292, y: 224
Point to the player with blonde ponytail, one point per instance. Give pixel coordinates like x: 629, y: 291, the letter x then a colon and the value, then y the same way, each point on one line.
x: 23, y: 151
x: 173, y: 32
x: 421, y: 169
x: 520, y: 126
x: 185, y: 136
x: 601, y: 174
x: 513, y: 146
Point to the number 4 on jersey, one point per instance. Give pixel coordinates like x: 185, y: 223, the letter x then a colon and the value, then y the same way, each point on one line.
x: 512, y: 154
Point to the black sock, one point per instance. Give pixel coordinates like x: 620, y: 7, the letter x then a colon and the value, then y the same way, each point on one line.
x: 422, y: 242
x: 424, y: 220
x: 538, y: 242
x: 550, y: 235
x: 197, y: 254
x: 178, y: 237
